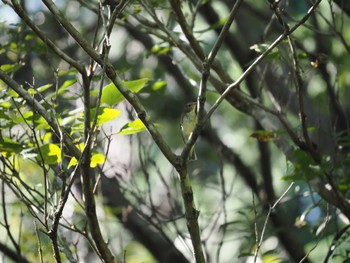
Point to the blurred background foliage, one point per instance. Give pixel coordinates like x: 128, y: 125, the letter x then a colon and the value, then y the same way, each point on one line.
x: 237, y: 156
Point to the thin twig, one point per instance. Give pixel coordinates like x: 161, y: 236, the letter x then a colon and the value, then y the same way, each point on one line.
x: 40, y: 251
x: 258, y: 60
x: 260, y: 240
x: 220, y: 39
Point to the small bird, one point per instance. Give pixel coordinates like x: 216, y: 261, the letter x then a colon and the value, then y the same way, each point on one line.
x: 188, y: 123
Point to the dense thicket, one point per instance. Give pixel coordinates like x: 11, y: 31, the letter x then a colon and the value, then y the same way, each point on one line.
x: 93, y: 166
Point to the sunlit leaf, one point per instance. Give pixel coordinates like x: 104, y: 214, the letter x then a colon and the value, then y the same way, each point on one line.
x: 44, y: 87
x: 47, y: 137
x: 96, y: 159
x: 271, y: 258
x: 135, y: 126
x: 13, y: 94
x: 32, y: 91
x: 50, y: 153
x: 10, y: 68
x: 41, y: 123
x: 9, y: 147
x: 160, y: 50
x: 105, y: 115
x: 72, y: 162
x: 94, y: 92
x: 159, y: 85
x: 112, y: 96
x: 77, y: 127
x: 24, y: 117
x: 5, y: 104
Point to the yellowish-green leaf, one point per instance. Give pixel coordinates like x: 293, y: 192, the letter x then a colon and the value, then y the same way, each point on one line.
x: 45, y: 87
x: 9, y: 147
x: 105, y: 115
x: 96, y: 159
x: 41, y: 123
x: 81, y: 146
x: 47, y: 137
x: 24, y: 117
x: 158, y: 85
x: 50, y: 153
x: 160, y: 50
x: 112, y: 96
x: 65, y: 85
x: 6, y: 105
x: 13, y: 94
x: 72, y: 162
x: 271, y: 258
x: 32, y: 91
x: 135, y: 126
x: 71, y: 71
x: 7, y: 68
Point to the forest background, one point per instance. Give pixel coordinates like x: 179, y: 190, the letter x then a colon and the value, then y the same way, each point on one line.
x: 93, y: 165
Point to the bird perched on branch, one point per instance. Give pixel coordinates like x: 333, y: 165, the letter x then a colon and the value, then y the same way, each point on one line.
x: 188, y: 123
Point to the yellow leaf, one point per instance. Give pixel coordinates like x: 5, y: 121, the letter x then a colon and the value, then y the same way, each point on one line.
x: 132, y: 127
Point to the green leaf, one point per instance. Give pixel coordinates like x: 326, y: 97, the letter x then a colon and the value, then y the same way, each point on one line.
x: 261, y: 48
x: 65, y: 85
x: 105, y: 115
x: 72, y: 162
x: 96, y: 159
x: 112, y: 96
x: 159, y: 85
x: 271, y: 258
x: 50, y: 153
x: 41, y: 123
x: 45, y: 87
x: 24, y: 117
x: 160, y: 50
x: 13, y: 94
x: 32, y: 91
x: 46, y: 137
x: 5, y: 104
x: 71, y: 71
x: 9, y: 147
x: 303, y: 167
x: 4, y: 116
x: 10, y: 68
x: 135, y: 126
x: 77, y: 128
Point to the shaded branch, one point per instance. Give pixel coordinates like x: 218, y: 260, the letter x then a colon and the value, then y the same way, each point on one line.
x: 161, y: 247
x: 13, y: 255
x: 36, y: 106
